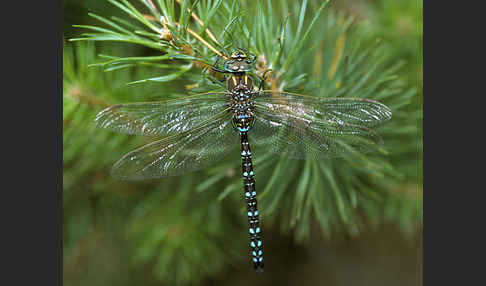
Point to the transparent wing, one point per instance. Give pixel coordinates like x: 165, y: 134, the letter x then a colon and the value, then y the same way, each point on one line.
x: 353, y: 111
x: 162, y: 118
x: 192, y: 150
x: 297, y: 125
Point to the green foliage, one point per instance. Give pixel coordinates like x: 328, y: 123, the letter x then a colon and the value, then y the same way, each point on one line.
x: 183, y: 229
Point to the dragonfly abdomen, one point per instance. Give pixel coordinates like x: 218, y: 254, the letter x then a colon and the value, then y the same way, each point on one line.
x: 256, y: 244
x: 240, y: 88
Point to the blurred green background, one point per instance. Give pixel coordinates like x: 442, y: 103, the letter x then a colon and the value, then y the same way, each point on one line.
x: 191, y: 230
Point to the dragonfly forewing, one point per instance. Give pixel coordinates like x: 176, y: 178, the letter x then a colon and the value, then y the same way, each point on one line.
x: 352, y: 111
x: 162, y: 118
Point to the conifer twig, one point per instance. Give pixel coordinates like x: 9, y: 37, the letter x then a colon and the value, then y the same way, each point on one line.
x: 164, y: 31
x: 202, y: 24
x: 195, y: 35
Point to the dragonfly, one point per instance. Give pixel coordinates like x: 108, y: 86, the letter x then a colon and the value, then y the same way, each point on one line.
x: 196, y: 131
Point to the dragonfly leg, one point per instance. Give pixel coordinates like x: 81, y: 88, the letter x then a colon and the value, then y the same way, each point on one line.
x: 262, y: 80
x: 223, y: 79
x: 214, y: 67
x: 218, y: 81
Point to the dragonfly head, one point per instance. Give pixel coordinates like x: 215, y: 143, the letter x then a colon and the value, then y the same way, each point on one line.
x: 240, y: 62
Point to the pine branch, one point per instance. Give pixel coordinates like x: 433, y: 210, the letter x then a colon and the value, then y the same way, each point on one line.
x: 313, y: 50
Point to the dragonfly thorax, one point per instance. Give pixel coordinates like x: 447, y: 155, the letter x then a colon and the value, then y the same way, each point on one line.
x: 240, y: 88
